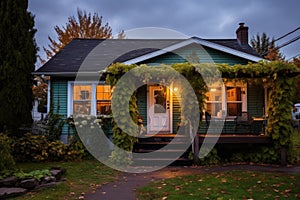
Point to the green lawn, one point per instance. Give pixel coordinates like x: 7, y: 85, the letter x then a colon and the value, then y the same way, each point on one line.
x: 227, y: 185
x: 82, y: 176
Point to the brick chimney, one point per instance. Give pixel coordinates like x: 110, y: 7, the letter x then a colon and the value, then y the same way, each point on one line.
x: 242, y: 34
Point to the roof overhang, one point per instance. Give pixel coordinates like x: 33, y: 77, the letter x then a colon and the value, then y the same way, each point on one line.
x: 70, y: 74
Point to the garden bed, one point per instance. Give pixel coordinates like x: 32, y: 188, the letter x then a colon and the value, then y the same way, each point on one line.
x: 19, y: 182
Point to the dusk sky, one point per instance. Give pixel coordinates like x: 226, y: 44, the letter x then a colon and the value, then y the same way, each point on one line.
x: 209, y: 19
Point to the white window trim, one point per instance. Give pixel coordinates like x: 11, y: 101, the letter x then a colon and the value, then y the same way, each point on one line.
x: 244, y: 99
x: 224, y: 100
x: 49, y: 97
x: 93, y: 84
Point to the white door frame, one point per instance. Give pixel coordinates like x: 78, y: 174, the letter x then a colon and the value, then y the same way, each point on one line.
x: 169, y: 106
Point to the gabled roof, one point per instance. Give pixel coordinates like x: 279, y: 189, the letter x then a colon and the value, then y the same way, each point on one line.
x: 228, y: 46
x: 97, y: 54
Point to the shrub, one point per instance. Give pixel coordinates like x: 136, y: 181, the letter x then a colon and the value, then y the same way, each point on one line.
x: 57, y: 151
x: 7, y: 161
x: 38, y: 148
x: 31, y: 148
x: 76, y: 150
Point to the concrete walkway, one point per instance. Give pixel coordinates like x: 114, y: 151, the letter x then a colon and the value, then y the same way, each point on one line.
x: 127, y: 183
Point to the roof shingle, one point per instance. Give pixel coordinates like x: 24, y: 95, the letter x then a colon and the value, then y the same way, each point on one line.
x: 93, y: 55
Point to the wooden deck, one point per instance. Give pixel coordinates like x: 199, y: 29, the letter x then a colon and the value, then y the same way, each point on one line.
x: 235, y: 139
x: 154, y: 142
x: 223, y: 138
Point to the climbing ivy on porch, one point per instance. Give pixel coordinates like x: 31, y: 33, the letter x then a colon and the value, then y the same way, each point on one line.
x: 277, y: 77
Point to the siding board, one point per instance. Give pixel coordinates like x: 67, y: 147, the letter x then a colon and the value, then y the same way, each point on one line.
x: 59, y: 90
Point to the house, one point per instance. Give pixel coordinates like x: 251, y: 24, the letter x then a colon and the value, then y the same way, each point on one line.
x: 94, y: 98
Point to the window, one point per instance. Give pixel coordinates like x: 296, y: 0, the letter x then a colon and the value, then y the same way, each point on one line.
x: 103, y: 98
x: 229, y: 100
x: 89, y: 99
x: 82, y: 99
x: 214, y: 101
x: 234, y: 100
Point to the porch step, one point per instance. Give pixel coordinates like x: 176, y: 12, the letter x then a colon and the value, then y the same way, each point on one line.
x: 163, y: 162
x: 165, y: 153
x: 165, y: 148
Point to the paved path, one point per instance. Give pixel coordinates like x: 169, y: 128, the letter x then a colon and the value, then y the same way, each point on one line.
x: 127, y: 183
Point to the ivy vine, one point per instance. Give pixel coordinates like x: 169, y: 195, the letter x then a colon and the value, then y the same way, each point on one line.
x: 277, y: 77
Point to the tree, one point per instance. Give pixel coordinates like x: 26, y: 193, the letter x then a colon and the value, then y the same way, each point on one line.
x: 121, y: 35
x: 296, y: 61
x: 265, y: 47
x: 85, y: 26
x: 274, y: 54
x: 17, y: 57
x: 296, y: 99
x: 261, y: 44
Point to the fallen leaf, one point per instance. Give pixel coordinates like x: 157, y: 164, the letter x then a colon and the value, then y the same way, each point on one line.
x: 287, y: 191
x: 224, y: 192
x: 275, y: 190
x: 177, y: 187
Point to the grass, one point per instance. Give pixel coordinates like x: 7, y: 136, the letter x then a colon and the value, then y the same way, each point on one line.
x: 228, y: 185
x: 225, y: 185
x: 81, y: 177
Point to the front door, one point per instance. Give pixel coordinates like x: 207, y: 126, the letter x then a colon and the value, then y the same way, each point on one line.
x: 158, y: 109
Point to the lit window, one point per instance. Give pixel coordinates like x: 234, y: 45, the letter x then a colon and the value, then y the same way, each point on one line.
x: 228, y: 100
x: 82, y: 99
x: 234, y: 100
x: 103, y: 99
x: 214, y: 101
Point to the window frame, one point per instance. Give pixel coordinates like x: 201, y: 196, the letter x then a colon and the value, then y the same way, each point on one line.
x: 224, y: 101
x: 93, y: 94
x: 106, y: 101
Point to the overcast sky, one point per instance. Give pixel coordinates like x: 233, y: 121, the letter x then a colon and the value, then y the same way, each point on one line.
x: 209, y: 19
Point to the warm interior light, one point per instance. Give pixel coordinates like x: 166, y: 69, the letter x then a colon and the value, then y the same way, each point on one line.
x: 175, y: 89
x: 213, y: 89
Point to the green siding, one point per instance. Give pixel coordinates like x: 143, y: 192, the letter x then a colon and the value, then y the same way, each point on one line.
x: 205, y: 55
x: 256, y: 105
x: 59, y: 91
x: 255, y: 101
x: 142, y: 103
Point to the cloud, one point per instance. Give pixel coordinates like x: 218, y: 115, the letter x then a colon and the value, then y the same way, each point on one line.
x: 207, y: 19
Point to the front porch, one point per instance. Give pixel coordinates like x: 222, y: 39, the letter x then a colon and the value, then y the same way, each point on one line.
x: 155, y: 142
